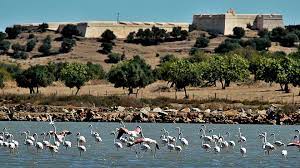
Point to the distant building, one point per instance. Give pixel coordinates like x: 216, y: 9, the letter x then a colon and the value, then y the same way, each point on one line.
x: 224, y: 23
x: 94, y: 29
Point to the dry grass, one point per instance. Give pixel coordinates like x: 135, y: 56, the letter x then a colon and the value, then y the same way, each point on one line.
x: 253, y: 92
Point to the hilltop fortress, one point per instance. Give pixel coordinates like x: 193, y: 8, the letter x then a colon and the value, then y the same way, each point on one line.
x: 224, y: 23
x: 214, y: 23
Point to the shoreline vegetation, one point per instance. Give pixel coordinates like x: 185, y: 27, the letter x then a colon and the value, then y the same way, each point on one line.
x: 88, y: 108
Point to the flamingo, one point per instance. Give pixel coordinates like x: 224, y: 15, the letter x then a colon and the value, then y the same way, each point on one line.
x: 164, y: 140
x: 27, y: 142
x: 11, y: 145
x: 38, y: 145
x: 80, y: 147
x: 241, y: 138
x: 276, y: 143
x: 45, y: 142
x: 170, y: 138
x: 183, y: 141
x: 217, y: 148
x: 243, y: 150
x: 230, y: 143
x: 224, y: 144
x: 53, y: 148
x: 67, y: 144
x: 267, y: 145
x: 93, y: 133
x: 133, y: 133
x: 118, y: 145
x: 205, y: 137
x: 203, y: 145
x: 30, y: 137
x: 80, y: 138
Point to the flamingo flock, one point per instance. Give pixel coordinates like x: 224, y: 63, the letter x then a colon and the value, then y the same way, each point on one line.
x: 136, y: 141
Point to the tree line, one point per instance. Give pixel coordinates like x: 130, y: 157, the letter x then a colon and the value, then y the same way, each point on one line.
x: 199, y: 70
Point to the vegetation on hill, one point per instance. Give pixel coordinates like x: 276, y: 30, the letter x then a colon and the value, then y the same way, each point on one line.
x: 155, y: 36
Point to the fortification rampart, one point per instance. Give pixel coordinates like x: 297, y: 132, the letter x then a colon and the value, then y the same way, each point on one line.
x: 224, y: 23
x: 94, y: 29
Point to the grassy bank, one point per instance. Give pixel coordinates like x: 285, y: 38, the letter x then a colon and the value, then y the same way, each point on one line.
x: 108, y: 101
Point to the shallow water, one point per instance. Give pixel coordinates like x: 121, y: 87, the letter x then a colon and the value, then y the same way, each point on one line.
x: 105, y: 154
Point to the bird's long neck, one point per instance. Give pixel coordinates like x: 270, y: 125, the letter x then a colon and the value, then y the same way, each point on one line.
x: 36, y: 139
x: 115, y: 138
x: 92, y: 129
x: 54, y: 128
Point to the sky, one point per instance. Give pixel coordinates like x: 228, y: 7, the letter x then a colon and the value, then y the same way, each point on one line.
x: 37, y: 11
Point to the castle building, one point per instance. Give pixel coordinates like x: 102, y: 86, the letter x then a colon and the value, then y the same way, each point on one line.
x: 224, y: 23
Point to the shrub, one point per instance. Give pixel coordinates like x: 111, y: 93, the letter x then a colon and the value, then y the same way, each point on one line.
x: 201, y: 42
x: 45, y: 48
x: 69, y: 31
x: 67, y: 45
x: 4, y: 46
x: 30, y: 45
x: 31, y: 36
x: 2, y: 36
x: 167, y: 58
x: 95, y: 71
x: 43, y: 27
x: 20, y: 55
x: 1, y: 81
x: 227, y: 45
x: 289, y: 40
x: 108, y: 36
x: 13, y: 32
x: 238, y: 32
x: 114, y: 58
x: 263, y: 33
x: 106, y: 47
x: 277, y: 34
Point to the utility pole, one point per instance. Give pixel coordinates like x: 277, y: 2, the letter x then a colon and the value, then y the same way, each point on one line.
x: 118, y: 17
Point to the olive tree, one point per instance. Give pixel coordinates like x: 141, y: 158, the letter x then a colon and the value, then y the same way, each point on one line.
x: 131, y: 74
x: 75, y: 75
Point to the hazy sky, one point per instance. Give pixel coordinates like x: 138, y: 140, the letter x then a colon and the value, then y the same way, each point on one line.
x: 32, y: 11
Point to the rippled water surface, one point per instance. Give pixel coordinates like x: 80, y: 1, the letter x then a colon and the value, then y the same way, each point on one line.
x: 105, y: 154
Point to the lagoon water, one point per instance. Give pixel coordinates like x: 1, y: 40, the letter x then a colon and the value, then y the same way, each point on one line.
x: 105, y: 155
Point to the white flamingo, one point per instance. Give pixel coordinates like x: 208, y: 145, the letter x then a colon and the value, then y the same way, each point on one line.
x: 80, y: 138
x: 80, y: 147
x: 27, y: 142
x: 182, y: 140
x: 217, y: 149
x: 230, y: 143
x: 267, y: 145
x: 205, y: 137
x: 118, y: 145
x: 241, y: 138
x: 45, y: 142
x: 243, y: 150
x: 38, y: 145
x: 276, y: 143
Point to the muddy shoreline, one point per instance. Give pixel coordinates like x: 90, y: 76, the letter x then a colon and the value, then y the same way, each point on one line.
x: 29, y: 112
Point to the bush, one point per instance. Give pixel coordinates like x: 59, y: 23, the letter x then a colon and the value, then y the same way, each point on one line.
x: 106, y: 47
x: 13, y: 69
x: 13, y: 32
x: 2, y: 36
x: 260, y: 44
x: 108, y: 36
x: 45, y: 48
x: 4, y: 46
x: 30, y: 45
x: 227, y: 45
x: 67, y: 45
x: 31, y: 36
x: 167, y: 58
x: 95, y: 71
x: 43, y: 27
x: 201, y: 42
x: 238, y: 32
x: 20, y: 55
x: 114, y: 58
x: 18, y: 47
x: 1, y: 81
x: 289, y: 40
x: 130, y: 37
x: 264, y: 33
x: 69, y: 31
x: 277, y: 34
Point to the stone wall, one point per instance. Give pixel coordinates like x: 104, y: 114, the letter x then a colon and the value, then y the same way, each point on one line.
x: 224, y: 23
x: 232, y: 21
x: 211, y: 23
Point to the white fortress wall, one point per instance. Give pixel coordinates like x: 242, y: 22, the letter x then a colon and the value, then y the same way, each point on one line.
x: 212, y: 23
x: 240, y: 20
x: 122, y: 29
x: 269, y: 21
